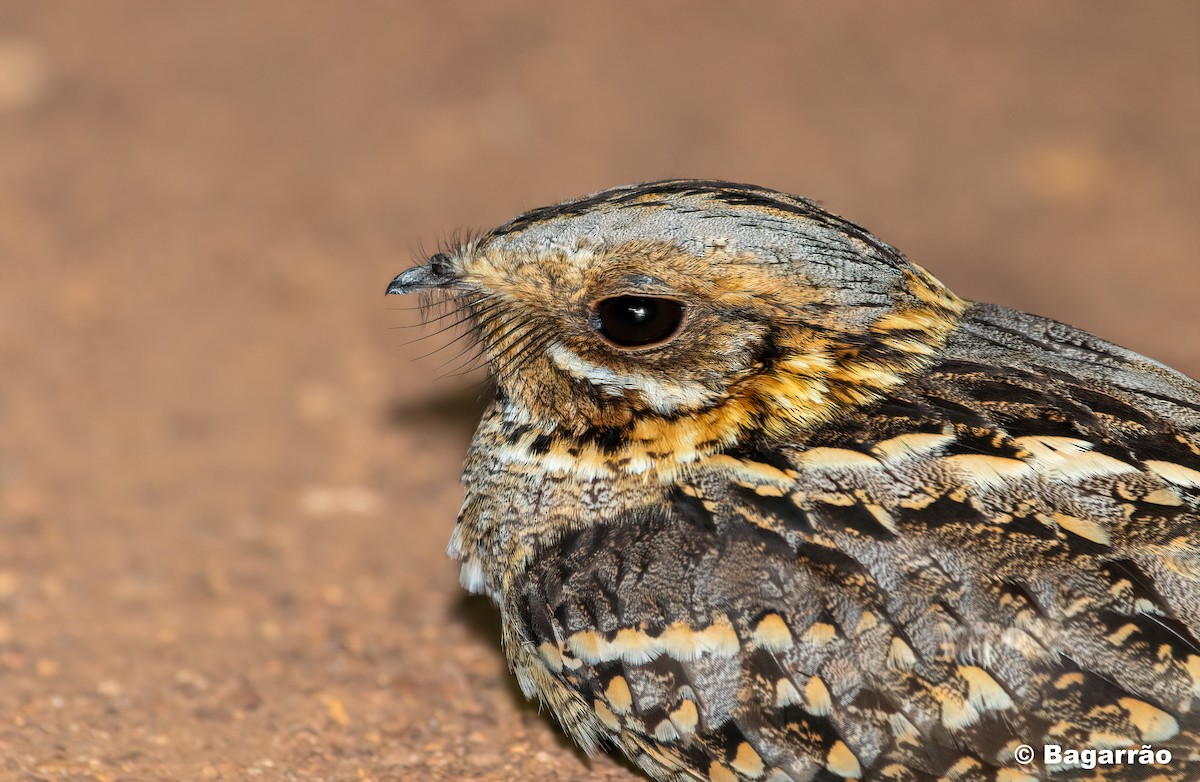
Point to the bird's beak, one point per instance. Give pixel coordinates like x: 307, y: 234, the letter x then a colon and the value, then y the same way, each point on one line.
x: 418, y: 278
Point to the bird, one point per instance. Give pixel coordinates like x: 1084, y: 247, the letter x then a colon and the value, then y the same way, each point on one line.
x: 758, y: 498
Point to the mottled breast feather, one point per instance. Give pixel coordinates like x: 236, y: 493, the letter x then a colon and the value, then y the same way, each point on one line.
x: 1001, y: 551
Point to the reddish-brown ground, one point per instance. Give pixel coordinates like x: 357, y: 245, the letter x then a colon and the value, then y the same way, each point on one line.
x: 226, y: 486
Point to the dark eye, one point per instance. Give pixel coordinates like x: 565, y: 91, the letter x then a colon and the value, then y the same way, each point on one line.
x: 634, y: 321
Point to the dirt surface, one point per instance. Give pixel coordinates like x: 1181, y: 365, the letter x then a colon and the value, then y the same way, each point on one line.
x: 226, y: 485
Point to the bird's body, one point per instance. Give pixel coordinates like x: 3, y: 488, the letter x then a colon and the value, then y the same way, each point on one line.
x: 831, y: 522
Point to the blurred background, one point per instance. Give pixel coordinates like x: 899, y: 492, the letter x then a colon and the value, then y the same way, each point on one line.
x: 225, y: 484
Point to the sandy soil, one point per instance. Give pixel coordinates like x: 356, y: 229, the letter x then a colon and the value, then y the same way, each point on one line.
x: 226, y: 485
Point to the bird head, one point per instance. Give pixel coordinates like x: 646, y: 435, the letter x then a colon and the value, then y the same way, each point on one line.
x: 688, y: 314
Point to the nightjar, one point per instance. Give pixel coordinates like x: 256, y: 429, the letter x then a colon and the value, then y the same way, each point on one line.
x: 760, y: 499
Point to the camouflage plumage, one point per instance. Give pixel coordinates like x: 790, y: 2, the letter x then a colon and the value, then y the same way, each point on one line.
x: 868, y: 531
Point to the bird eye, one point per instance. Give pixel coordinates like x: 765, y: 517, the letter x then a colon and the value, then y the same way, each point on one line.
x: 637, y: 321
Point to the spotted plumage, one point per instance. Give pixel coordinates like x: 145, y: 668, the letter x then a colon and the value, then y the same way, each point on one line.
x: 759, y: 499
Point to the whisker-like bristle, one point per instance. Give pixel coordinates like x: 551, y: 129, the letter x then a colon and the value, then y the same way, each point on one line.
x: 503, y: 341
x: 475, y: 358
x: 517, y: 351
x: 457, y: 306
x: 461, y: 373
x: 517, y: 363
x: 470, y: 334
